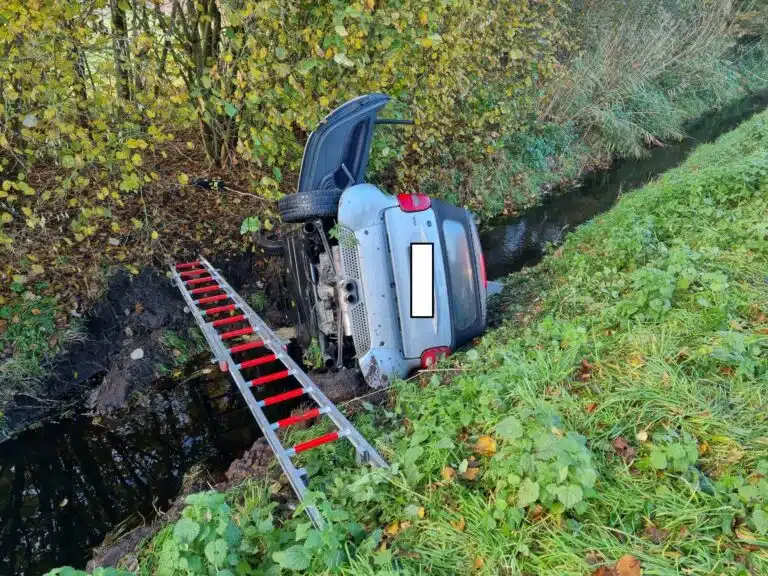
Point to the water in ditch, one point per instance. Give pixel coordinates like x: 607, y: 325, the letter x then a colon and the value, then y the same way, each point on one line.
x: 513, y: 243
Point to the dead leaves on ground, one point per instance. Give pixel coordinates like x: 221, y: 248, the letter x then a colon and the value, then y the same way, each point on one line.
x: 627, y: 565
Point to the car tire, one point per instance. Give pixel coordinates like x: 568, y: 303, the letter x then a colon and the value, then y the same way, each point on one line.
x: 269, y: 242
x: 303, y: 206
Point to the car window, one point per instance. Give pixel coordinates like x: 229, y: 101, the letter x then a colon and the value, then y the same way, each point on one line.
x: 462, y: 274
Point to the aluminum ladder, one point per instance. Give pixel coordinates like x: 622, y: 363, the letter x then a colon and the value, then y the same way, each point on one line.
x: 232, y: 328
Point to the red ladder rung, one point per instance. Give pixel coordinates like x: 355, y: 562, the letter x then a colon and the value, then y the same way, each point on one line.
x: 205, y: 289
x: 190, y: 273
x: 308, y: 415
x: 185, y: 265
x: 217, y: 309
x: 277, y: 398
x: 315, y: 442
x: 246, y: 346
x: 209, y: 299
x: 270, y: 378
x: 257, y: 361
x: 230, y: 320
x: 236, y: 333
x: 199, y: 281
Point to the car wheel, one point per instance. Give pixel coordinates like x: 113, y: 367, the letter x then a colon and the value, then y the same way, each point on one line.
x: 269, y: 242
x: 303, y: 206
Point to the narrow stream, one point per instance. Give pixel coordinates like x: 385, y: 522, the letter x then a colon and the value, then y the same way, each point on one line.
x: 513, y: 243
x: 65, y: 484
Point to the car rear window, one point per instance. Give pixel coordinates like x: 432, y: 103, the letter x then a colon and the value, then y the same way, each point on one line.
x: 462, y: 274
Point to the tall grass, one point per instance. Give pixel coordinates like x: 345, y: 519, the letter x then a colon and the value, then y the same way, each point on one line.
x: 647, y: 66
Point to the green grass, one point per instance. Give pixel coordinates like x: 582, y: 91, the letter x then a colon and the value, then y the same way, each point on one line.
x: 29, y: 337
x: 620, y: 409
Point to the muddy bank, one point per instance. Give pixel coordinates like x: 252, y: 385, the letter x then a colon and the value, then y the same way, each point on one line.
x: 138, y: 332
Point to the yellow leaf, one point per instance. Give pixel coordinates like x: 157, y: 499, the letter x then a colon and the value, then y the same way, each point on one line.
x: 459, y: 524
x: 393, y: 528
x: 486, y: 446
x: 5, y: 218
x: 136, y: 160
x: 183, y: 179
x: 26, y: 210
x: 155, y: 235
x: 448, y: 473
x: 37, y: 269
x: 421, y: 512
x: 132, y: 269
x: 115, y: 227
x: 138, y: 224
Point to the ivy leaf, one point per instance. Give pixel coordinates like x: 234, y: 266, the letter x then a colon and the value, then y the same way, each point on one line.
x: 250, y: 224
x: 510, y: 428
x: 293, y: 558
x: 569, y: 495
x: 186, y: 530
x: 528, y: 493
x: 216, y: 552
x: 658, y: 458
x: 230, y: 109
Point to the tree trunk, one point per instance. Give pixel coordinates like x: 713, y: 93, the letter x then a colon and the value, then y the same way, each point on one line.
x: 120, y: 47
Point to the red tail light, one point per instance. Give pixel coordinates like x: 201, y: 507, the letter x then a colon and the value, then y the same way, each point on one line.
x: 483, y: 274
x: 413, y: 202
x: 431, y: 356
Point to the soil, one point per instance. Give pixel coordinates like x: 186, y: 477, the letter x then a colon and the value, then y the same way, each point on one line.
x: 134, y: 315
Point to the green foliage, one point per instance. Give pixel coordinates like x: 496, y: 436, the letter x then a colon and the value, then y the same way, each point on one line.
x: 250, y: 224
x: 69, y: 571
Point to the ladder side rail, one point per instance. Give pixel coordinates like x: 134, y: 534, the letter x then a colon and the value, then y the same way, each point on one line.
x: 361, y: 445
x: 222, y: 355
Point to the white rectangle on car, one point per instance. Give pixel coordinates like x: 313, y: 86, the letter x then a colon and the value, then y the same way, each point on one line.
x: 422, y: 280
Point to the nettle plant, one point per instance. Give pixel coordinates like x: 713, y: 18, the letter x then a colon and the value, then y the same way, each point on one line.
x: 749, y: 496
x: 672, y: 452
x: 538, y: 462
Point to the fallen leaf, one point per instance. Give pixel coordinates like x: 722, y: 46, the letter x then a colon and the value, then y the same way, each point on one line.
x: 623, y: 449
x: 471, y: 473
x: 459, y: 524
x: 591, y: 407
x: 404, y: 525
x: 421, y: 512
x: 656, y: 535
x: 594, y: 557
x: 479, y: 562
x: 63, y: 503
x: 703, y: 448
x: 448, y: 473
x: 642, y: 436
x: 628, y: 565
x: 137, y: 354
x: 486, y: 446
x: 393, y: 528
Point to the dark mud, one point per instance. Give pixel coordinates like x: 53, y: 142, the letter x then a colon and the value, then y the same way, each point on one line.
x: 513, y: 243
x: 136, y: 313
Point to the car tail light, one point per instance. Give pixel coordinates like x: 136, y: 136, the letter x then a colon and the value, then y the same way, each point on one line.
x: 413, y: 202
x: 483, y: 274
x: 431, y: 356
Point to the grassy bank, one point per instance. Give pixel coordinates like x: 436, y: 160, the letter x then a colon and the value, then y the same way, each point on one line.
x: 616, y: 421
